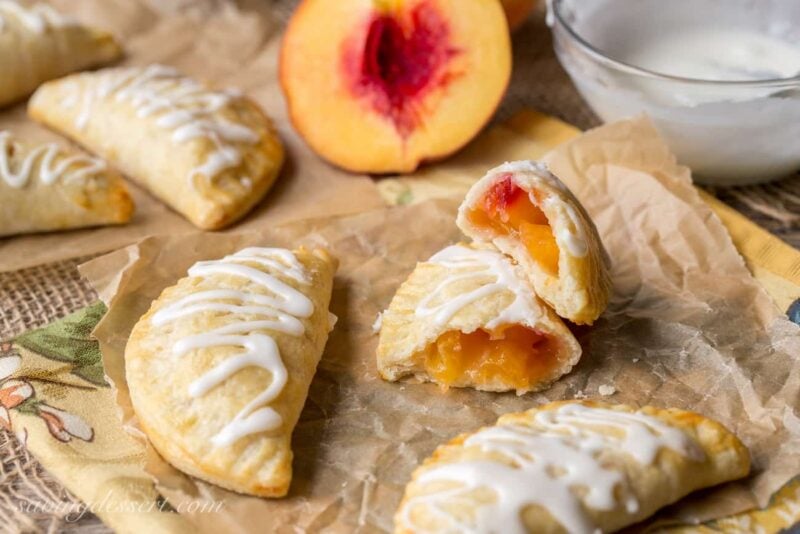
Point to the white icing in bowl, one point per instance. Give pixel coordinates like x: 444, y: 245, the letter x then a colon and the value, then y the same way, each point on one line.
x: 720, y: 78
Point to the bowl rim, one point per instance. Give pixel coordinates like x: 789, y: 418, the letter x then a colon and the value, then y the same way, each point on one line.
x: 558, y: 19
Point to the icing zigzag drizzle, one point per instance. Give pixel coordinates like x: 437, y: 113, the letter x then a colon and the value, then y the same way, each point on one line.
x: 558, y: 452
x: 281, y: 310
x: 498, y: 274
x: 52, y: 164
x: 177, y: 103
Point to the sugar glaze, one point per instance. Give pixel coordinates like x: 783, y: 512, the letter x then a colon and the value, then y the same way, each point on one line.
x: 281, y: 310
x: 544, y: 462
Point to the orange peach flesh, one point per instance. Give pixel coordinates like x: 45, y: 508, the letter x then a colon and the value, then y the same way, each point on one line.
x: 382, y: 86
x: 508, y: 209
x: 515, y: 355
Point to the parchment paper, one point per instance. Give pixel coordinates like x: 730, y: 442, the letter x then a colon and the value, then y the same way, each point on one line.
x: 687, y: 327
x: 228, y: 46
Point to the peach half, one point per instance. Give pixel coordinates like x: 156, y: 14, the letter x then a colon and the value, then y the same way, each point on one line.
x: 380, y: 86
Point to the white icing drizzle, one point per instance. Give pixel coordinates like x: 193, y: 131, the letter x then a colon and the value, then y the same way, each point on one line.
x: 556, y: 454
x: 281, y: 311
x: 573, y: 240
x: 52, y: 164
x: 177, y: 103
x: 491, y: 266
x: 37, y: 18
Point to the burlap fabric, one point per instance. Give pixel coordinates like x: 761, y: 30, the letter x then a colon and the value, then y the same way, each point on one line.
x: 34, y: 297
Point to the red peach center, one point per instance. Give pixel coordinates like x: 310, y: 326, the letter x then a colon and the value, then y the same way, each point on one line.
x: 403, y: 57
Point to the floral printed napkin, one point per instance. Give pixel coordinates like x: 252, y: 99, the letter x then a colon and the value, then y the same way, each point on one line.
x: 54, y: 397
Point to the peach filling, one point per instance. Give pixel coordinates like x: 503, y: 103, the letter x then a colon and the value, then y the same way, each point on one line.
x: 515, y: 355
x: 508, y: 209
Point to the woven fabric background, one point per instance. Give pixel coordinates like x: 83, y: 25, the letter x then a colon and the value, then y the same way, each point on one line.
x: 34, y: 297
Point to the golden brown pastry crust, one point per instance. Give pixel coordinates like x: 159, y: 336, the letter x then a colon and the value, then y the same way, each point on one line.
x: 667, y: 479
x: 38, y: 44
x: 47, y: 187
x: 182, y: 427
x: 210, y: 155
x: 582, y: 288
x: 404, y: 333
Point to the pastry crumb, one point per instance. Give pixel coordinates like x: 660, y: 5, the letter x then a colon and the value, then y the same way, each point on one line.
x: 635, y: 360
x: 376, y: 326
x: 606, y: 390
x: 580, y: 395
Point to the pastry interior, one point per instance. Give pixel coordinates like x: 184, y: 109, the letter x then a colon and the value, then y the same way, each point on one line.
x: 509, y: 210
x: 514, y: 354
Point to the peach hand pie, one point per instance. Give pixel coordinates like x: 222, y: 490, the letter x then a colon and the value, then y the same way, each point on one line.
x: 46, y: 187
x: 468, y: 318
x: 219, y: 367
x: 38, y: 44
x: 577, y: 467
x: 529, y: 214
x: 210, y: 155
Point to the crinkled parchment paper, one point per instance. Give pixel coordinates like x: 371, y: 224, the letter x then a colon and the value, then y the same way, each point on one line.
x: 228, y: 44
x: 687, y: 327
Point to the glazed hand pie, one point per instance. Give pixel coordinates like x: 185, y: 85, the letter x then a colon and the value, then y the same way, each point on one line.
x: 577, y: 467
x: 219, y: 367
x: 47, y: 187
x: 468, y: 318
x: 529, y: 214
x: 210, y: 155
x: 38, y: 44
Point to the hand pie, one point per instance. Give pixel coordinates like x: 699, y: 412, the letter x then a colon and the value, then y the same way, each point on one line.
x: 210, y: 155
x: 38, y: 44
x: 577, y: 467
x: 219, y: 368
x: 468, y: 318
x: 529, y: 214
x: 46, y: 187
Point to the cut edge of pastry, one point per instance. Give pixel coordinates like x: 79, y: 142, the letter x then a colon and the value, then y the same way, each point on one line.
x: 729, y: 458
x: 184, y: 461
x: 439, y: 349
x: 570, y: 268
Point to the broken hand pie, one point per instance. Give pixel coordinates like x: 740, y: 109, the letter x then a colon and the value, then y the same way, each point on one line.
x: 468, y: 317
x: 38, y: 44
x: 529, y: 214
x: 210, y: 155
x: 219, y: 367
x: 578, y: 467
x: 46, y: 187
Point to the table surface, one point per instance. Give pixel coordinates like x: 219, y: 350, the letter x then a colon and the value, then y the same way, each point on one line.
x: 538, y: 82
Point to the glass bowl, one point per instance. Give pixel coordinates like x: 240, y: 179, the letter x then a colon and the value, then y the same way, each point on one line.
x: 742, y: 129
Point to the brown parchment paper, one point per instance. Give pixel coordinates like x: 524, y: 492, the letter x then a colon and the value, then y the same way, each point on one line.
x: 687, y: 327
x: 227, y: 44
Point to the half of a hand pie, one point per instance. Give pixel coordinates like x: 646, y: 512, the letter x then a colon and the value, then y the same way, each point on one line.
x: 210, y: 155
x: 469, y: 318
x: 577, y: 467
x: 47, y: 187
x: 219, y: 367
x: 529, y: 214
x: 38, y: 44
